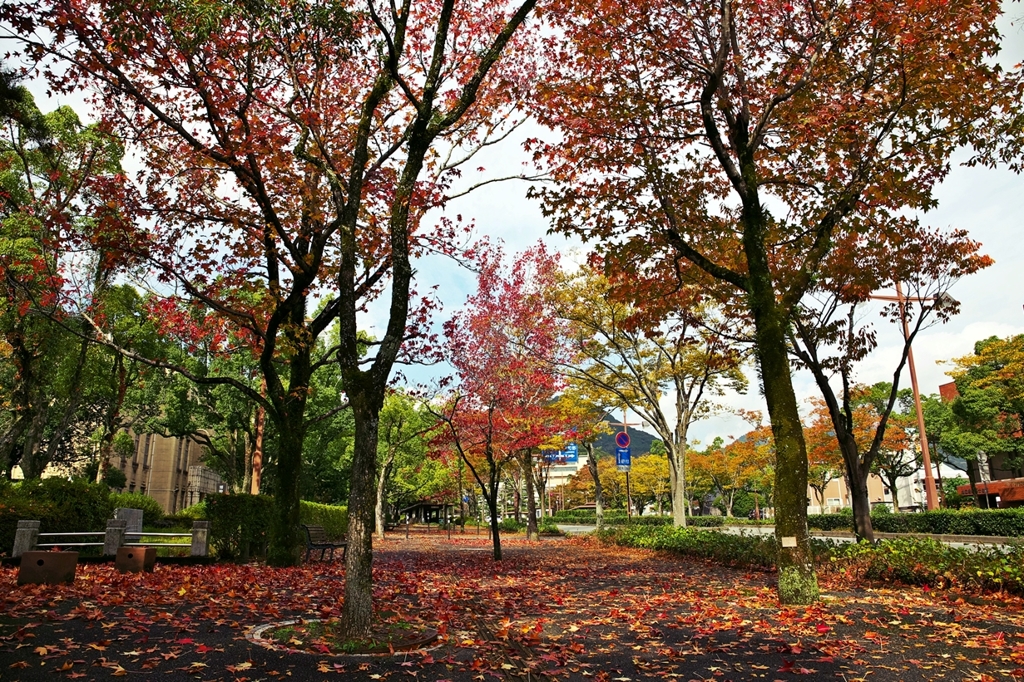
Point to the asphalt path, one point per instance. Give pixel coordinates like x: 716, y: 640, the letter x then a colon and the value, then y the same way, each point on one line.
x: 554, y: 610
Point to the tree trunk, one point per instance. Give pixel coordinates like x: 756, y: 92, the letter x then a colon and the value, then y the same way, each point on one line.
x: 285, y: 540
x: 357, y: 614
x: 677, y: 479
x: 492, y: 506
x: 858, y: 488
x: 531, y: 503
x: 32, y: 465
x: 598, y: 493
x: 257, y: 452
x: 798, y: 583
x: 9, y: 440
x: 382, y: 479
x: 895, y: 496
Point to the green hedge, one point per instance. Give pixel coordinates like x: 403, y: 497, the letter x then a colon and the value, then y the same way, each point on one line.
x: 586, y: 515
x: 58, y: 504
x: 12, y: 510
x: 830, y: 521
x: 510, y: 525
x: 915, y: 561
x: 923, y: 561
x: 152, y: 512
x: 619, y: 518
x: 732, y: 550
x: 1008, y: 522
x: 333, y: 518
x: 239, y: 524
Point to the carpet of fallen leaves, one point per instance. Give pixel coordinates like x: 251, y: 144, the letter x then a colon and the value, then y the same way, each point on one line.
x: 557, y: 609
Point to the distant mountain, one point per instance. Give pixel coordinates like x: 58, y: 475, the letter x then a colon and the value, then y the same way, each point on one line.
x: 640, y: 441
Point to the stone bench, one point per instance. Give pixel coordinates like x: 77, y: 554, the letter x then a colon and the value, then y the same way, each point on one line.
x: 116, y: 535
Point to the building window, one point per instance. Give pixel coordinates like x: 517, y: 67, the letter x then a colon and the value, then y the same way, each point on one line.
x: 834, y: 502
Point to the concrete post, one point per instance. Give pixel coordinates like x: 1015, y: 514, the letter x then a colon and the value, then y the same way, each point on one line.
x: 200, y: 538
x: 26, y: 537
x: 114, y: 536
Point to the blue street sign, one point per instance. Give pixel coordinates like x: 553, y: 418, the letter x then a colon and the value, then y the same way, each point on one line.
x: 571, y: 453
x: 622, y: 459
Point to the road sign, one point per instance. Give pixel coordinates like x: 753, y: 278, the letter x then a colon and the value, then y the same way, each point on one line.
x: 571, y: 453
x: 622, y: 458
x: 622, y: 439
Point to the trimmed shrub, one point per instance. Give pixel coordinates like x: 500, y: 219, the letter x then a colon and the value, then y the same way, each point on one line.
x: 333, y: 518
x: 548, y: 527
x: 587, y: 516
x: 77, y: 506
x: 14, y: 509
x: 196, y: 512
x: 913, y: 561
x: 152, y: 512
x: 830, y: 521
x: 510, y: 525
x: 706, y: 521
x: 1008, y: 522
x: 239, y: 524
x: 644, y: 521
x: 923, y: 561
x: 731, y: 550
x: 58, y: 504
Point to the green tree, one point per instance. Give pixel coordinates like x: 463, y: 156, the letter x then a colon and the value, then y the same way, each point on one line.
x: 50, y: 168
x: 626, y: 361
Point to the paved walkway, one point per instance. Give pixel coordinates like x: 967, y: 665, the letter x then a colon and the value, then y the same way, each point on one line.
x: 556, y: 609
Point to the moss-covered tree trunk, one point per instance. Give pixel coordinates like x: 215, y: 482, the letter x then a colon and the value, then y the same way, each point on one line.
x: 798, y: 583
x: 380, y: 513
x: 289, y: 415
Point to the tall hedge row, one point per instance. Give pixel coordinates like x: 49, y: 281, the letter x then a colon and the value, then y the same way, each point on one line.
x: 333, y: 518
x: 58, y: 504
x: 239, y: 524
x: 1007, y: 522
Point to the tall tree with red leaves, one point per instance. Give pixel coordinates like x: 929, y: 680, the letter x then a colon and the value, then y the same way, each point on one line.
x: 503, y: 346
x: 733, y: 141
x: 289, y: 153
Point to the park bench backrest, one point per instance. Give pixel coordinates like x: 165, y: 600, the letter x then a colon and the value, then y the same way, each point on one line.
x: 316, y: 534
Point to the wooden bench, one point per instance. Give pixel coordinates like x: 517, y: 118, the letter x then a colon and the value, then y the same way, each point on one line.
x: 316, y: 539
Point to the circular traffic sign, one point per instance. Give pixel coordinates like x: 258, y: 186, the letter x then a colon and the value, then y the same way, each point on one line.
x: 622, y: 439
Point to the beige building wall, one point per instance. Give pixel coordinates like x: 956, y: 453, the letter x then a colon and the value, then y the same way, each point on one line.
x: 837, y: 496
x: 160, y: 468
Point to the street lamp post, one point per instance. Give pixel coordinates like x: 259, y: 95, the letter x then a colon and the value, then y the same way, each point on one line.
x: 931, y: 494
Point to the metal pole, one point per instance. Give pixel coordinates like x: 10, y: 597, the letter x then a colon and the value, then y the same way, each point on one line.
x: 931, y: 496
x: 629, y: 499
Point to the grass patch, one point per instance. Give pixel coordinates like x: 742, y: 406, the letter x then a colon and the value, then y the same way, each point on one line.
x: 388, y: 634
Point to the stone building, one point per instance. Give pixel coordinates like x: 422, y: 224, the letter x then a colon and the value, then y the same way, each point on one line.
x: 168, y: 470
